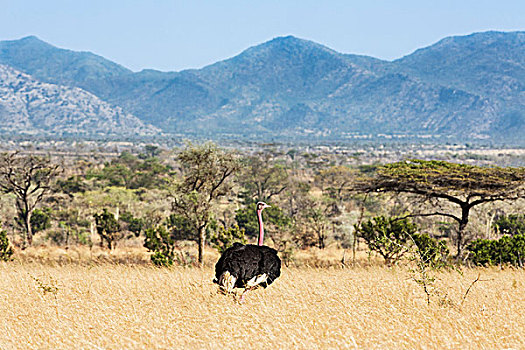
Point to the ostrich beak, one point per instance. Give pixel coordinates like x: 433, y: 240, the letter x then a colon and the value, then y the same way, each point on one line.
x: 266, y: 206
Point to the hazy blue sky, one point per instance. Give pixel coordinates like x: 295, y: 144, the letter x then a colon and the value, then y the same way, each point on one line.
x: 174, y: 35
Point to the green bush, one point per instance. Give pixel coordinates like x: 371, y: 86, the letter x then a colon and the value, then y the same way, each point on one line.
x: 163, y: 240
x: 159, y: 259
x: 387, y: 236
x: 513, y: 224
x: 431, y: 252
x: 159, y: 241
x: 506, y: 250
x: 40, y: 220
x: 224, y: 238
x: 5, y: 248
x: 134, y: 225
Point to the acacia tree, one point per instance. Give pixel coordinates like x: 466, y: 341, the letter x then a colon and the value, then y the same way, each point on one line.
x: 29, y: 178
x: 438, y: 182
x: 206, y: 173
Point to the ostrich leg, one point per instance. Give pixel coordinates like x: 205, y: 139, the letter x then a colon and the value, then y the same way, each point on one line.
x: 252, y: 284
x: 241, y: 299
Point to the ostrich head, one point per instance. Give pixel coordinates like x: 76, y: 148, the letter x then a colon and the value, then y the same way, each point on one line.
x: 260, y: 208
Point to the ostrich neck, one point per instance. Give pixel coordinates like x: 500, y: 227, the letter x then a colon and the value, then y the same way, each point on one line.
x: 261, y: 228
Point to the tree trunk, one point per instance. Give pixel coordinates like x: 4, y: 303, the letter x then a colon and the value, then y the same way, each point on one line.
x: 465, y: 209
x: 354, y: 246
x: 202, y: 240
x: 25, y: 215
x: 29, y: 231
x: 320, y: 240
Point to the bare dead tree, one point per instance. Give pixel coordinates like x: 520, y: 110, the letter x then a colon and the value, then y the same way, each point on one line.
x: 29, y: 178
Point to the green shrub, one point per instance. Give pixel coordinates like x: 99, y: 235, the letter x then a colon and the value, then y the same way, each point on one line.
x: 159, y: 259
x: 224, y: 238
x: 513, y: 224
x: 134, y: 225
x: 506, y: 250
x: 159, y: 241
x: 65, y: 234
x: 40, y: 220
x: 5, y: 248
x: 431, y: 252
x: 387, y: 236
x: 163, y: 240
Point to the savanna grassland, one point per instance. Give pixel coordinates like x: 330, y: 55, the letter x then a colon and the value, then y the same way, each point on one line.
x: 103, y: 252
x: 134, y: 306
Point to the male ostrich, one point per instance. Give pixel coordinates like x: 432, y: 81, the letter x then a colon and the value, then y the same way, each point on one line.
x: 248, y: 266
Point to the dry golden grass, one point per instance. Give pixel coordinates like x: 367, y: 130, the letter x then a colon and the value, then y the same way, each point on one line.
x: 112, y: 306
x: 138, y: 255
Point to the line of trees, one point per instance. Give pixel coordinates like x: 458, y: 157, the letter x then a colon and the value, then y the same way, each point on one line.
x: 201, y: 190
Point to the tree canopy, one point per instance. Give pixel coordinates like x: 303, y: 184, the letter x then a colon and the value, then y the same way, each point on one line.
x: 436, y: 181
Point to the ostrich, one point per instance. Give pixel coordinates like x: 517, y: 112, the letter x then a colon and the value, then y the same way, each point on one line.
x: 248, y: 266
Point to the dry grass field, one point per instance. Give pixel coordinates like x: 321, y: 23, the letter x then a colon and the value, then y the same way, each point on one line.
x: 116, y: 306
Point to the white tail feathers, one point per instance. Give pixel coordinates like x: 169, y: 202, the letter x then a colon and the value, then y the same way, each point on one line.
x: 227, y: 282
x: 257, y: 280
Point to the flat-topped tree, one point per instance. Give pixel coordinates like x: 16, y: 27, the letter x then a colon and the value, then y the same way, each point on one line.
x: 29, y: 178
x: 438, y: 181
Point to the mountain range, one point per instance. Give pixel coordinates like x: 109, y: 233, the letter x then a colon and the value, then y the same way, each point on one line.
x: 462, y: 87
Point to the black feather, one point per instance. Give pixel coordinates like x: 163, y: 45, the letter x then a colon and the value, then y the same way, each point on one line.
x: 245, y: 262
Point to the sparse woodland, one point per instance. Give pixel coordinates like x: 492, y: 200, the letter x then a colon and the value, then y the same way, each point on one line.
x: 172, y: 202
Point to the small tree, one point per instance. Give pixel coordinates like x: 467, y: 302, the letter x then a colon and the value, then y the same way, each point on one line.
x: 71, y: 225
x: 163, y: 240
x: 108, y: 228
x: 431, y: 252
x: 318, y: 224
x: 29, y: 178
x: 390, y: 237
x: 134, y: 225
x: 150, y: 151
x: 336, y: 182
x: 206, y: 174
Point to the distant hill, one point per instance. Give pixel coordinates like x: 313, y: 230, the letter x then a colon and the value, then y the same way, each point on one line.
x: 59, y: 66
x: 490, y: 63
x: 28, y: 106
x: 465, y: 87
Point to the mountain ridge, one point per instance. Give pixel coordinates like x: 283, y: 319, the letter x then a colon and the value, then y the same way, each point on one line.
x: 462, y: 86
